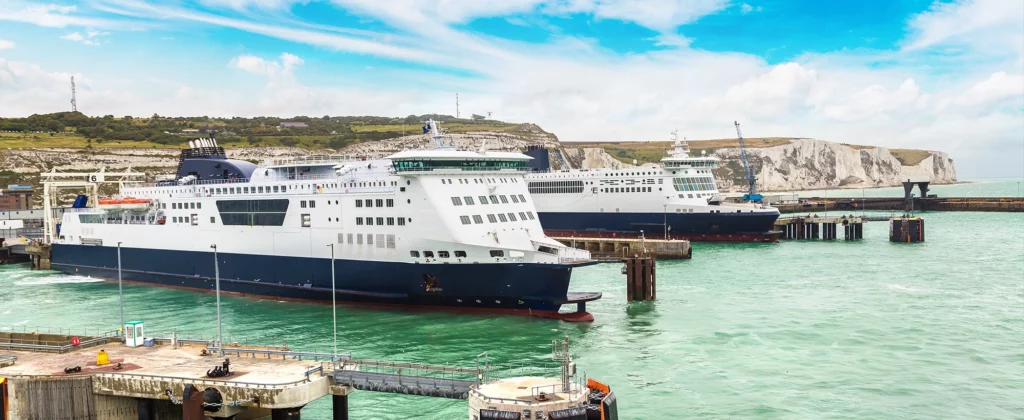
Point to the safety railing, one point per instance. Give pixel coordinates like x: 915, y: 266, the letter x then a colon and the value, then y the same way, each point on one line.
x: 311, y: 160
x: 195, y: 381
x: 51, y: 348
x: 82, y: 331
x: 283, y: 354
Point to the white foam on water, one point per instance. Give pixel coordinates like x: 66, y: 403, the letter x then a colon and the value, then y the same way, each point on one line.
x: 902, y: 287
x: 30, y: 281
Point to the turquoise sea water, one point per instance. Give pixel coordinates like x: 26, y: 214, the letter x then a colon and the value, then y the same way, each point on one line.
x: 864, y: 330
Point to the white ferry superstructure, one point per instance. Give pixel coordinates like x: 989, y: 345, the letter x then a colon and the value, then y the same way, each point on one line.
x: 431, y: 228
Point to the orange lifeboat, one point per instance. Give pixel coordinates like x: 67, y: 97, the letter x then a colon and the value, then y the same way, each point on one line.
x: 126, y: 203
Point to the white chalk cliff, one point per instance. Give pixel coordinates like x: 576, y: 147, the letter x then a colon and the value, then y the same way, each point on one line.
x: 806, y: 164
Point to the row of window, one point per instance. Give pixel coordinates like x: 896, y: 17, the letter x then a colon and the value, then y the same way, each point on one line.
x: 627, y: 189
x: 380, y: 202
x: 440, y: 254
x: 556, y: 187
x: 378, y: 240
x: 390, y: 221
x: 694, y: 183
x: 458, y: 201
x: 483, y: 181
x: 476, y: 219
x: 249, y: 190
x: 182, y: 206
x: 463, y: 164
x: 630, y: 181
x: 707, y: 163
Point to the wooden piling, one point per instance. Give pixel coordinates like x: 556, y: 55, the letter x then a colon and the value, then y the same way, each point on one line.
x: 640, y: 279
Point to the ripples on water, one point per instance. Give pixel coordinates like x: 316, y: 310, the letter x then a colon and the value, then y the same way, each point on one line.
x: 868, y: 330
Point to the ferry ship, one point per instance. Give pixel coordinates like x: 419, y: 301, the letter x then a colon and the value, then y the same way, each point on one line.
x: 429, y: 228
x: 679, y: 199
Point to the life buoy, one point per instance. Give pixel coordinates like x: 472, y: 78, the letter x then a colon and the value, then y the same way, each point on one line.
x: 75, y: 341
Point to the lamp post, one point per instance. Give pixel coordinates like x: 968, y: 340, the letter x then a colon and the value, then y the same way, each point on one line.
x: 120, y: 290
x: 334, y: 303
x: 665, y: 214
x: 216, y: 279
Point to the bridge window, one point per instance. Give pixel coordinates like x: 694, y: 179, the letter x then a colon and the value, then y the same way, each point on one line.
x: 443, y: 254
x: 460, y: 254
x: 414, y: 254
x: 428, y: 254
x: 497, y: 253
x: 252, y: 212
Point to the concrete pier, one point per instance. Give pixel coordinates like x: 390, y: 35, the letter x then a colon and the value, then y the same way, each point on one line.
x: 821, y: 227
x: 615, y: 249
x: 60, y: 376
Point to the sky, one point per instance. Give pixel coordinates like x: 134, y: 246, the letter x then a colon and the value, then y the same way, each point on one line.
x: 945, y: 75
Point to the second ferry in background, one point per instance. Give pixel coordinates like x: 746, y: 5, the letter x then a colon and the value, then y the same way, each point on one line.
x: 679, y: 199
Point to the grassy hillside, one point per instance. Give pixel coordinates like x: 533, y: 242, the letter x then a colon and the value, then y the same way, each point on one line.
x: 73, y: 129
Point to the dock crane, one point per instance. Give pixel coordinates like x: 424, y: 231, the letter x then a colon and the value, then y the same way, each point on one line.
x: 751, y: 195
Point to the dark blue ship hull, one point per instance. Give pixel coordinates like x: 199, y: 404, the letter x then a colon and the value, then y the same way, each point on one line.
x: 499, y: 287
x: 654, y: 224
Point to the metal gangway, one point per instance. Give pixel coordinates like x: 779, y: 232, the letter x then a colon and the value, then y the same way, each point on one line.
x: 427, y: 380
x: 409, y: 378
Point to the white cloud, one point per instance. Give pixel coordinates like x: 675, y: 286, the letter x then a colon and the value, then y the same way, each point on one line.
x: 48, y: 15
x: 6, y: 45
x: 74, y: 36
x: 579, y: 90
x: 998, y: 86
x: 276, y: 72
x: 979, y: 23
x: 90, y: 38
x: 746, y: 8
